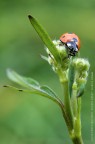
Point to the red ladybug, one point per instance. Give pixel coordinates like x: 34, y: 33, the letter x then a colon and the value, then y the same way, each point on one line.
x: 72, y: 43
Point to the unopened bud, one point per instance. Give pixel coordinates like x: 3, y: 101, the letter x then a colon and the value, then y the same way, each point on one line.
x: 81, y: 64
x: 81, y: 70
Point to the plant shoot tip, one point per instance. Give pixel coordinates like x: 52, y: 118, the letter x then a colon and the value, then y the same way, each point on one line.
x: 30, y: 17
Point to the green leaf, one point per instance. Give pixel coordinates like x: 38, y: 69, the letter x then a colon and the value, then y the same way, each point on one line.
x: 41, y: 92
x: 71, y: 77
x: 32, y: 86
x: 23, y: 81
x: 81, y: 90
x: 44, y: 57
x: 44, y: 37
x: 48, y: 90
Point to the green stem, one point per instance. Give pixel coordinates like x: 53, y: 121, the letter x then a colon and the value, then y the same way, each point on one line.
x: 74, y: 125
x: 67, y: 104
x: 74, y: 99
x: 77, y: 126
x: 76, y: 107
x: 77, y: 140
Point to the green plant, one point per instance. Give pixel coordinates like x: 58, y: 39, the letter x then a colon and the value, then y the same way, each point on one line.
x: 72, y: 73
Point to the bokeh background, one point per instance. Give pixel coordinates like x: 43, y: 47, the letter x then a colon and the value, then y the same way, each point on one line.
x: 30, y: 119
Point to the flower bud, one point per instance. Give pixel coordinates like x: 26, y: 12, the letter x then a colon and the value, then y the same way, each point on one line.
x: 81, y: 70
x: 64, y: 60
x: 61, y: 48
x: 81, y: 64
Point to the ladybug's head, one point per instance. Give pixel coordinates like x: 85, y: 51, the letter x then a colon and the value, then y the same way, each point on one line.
x: 71, y: 42
x: 72, y: 48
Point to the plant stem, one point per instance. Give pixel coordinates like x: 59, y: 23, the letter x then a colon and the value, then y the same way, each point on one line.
x: 67, y: 104
x: 77, y: 140
x: 74, y: 125
x: 77, y: 125
x: 74, y: 99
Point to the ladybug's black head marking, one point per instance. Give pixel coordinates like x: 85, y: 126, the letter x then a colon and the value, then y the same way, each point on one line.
x: 69, y: 32
x: 72, y: 48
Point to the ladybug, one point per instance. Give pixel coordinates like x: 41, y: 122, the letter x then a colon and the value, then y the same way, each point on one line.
x: 71, y: 42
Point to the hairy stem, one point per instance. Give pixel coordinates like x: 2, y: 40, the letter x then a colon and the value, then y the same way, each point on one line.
x: 74, y: 99
x: 67, y: 104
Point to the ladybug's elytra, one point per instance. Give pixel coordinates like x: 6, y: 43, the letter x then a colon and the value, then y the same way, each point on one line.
x: 72, y: 43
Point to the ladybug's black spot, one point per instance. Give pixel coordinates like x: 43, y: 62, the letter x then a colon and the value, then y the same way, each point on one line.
x: 69, y: 32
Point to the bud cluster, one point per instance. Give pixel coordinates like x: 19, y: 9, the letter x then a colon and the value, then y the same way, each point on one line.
x: 81, y: 70
x: 61, y: 68
x: 81, y: 66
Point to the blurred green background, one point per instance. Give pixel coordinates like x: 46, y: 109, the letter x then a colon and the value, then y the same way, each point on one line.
x: 26, y: 119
